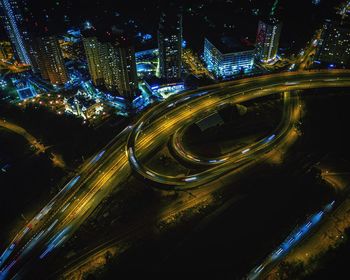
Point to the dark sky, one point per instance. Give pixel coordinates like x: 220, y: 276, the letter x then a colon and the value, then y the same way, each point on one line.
x: 300, y: 17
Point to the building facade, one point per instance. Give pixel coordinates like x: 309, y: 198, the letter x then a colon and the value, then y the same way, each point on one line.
x: 112, y: 64
x: 127, y: 73
x: 225, y: 61
x: 109, y: 65
x: 334, y: 46
x: 92, y: 51
x: 50, y: 60
x: 170, y: 46
x: 268, y: 38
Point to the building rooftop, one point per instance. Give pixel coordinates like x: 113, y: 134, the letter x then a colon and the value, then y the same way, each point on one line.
x: 210, y: 121
x: 228, y: 44
x: 108, y: 36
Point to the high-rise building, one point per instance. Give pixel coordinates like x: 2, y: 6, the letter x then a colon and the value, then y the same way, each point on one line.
x: 11, y: 12
x: 268, y: 38
x: 109, y: 60
x: 92, y: 51
x: 226, y: 57
x: 50, y: 60
x: 127, y: 73
x: 112, y: 63
x: 170, y: 45
x: 334, y: 46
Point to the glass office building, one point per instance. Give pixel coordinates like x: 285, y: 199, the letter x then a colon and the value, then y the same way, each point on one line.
x: 225, y: 57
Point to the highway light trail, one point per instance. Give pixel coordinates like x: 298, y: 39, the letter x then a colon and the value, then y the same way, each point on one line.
x: 158, y: 125
x: 270, y: 138
x: 36, y: 220
x: 290, y: 242
x: 68, y: 209
x: 71, y: 184
x: 55, y: 242
x: 98, y: 157
x: 114, y: 164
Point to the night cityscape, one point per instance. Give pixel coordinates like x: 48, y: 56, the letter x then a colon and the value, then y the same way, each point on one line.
x: 174, y: 138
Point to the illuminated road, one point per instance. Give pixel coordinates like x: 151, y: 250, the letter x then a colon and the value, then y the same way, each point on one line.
x: 153, y: 129
x: 57, y: 221
x: 261, y: 271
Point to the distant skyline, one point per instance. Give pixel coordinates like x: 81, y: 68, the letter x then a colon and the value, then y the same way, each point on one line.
x: 148, y: 12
